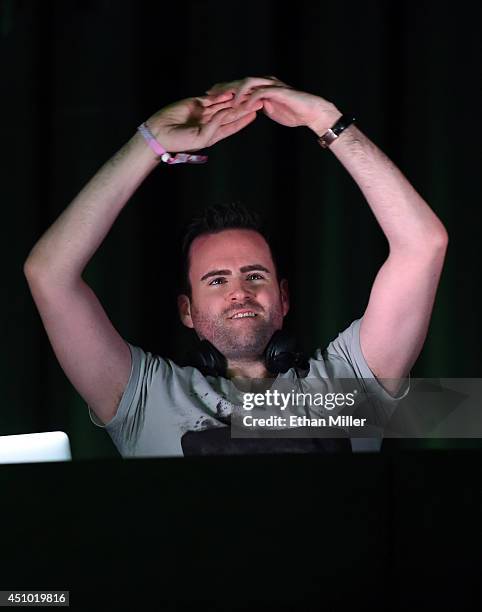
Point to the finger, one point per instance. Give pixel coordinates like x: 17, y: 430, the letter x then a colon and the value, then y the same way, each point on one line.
x: 274, y: 92
x: 224, y: 131
x: 248, y: 85
x: 239, y: 87
x: 216, y: 106
x: 233, y: 114
x: 209, y: 111
x: 273, y: 78
x: 210, y: 128
x: 245, y: 83
x: 209, y: 100
x: 218, y: 97
x: 229, y: 98
x: 223, y: 95
x: 226, y: 117
x: 223, y: 87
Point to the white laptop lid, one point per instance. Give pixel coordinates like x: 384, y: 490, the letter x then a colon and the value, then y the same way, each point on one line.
x: 36, y: 447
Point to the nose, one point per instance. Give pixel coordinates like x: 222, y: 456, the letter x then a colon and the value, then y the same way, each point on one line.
x: 239, y: 291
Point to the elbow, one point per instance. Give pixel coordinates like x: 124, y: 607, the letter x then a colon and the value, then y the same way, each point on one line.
x: 436, y: 246
x: 28, y: 269
x: 428, y: 243
x: 32, y: 270
x: 435, y: 238
x: 440, y: 239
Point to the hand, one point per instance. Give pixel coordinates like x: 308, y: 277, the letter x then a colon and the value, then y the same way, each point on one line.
x: 197, y: 123
x: 281, y: 102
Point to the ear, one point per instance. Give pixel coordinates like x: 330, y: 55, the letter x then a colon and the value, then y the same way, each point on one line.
x: 184, y: 307
x: 284, y: 296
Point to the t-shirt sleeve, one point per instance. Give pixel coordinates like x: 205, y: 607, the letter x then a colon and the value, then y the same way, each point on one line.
x: 347, y: 348
x: 125, y: 427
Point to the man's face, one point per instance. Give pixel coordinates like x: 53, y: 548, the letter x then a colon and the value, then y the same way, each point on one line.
x: 232, y: 273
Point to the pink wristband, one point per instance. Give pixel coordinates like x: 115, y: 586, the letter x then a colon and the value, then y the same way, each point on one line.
x: 179, y: 158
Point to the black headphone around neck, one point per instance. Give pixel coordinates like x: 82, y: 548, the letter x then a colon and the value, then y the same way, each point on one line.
x: 280, y: 355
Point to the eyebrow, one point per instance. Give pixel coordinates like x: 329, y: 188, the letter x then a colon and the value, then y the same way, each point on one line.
x: 250, y: 268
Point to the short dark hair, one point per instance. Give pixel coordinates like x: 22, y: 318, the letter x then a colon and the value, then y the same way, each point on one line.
x: 215, y: 219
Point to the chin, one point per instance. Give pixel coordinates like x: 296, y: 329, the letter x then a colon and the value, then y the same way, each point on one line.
x: 245, y: 348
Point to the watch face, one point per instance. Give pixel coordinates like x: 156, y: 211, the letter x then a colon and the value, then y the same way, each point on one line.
x: 328, y: 138
x: 332, y: 134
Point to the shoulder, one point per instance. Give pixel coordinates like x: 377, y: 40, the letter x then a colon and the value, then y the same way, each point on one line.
x: 342, y: 352
x: 147, y: 365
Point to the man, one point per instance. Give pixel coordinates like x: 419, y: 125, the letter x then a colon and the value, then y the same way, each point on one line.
x: 236, y: 301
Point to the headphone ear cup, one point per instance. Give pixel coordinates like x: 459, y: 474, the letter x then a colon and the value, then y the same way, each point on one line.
x: 280, y: 354
x: 208, y: 360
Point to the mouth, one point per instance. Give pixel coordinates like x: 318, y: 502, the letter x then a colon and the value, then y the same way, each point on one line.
x: 244, y: 314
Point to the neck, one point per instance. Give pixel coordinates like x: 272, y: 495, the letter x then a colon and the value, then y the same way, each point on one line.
x: 247, y: 369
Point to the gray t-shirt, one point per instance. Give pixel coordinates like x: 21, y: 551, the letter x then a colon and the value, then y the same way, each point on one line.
x: 163, y: 401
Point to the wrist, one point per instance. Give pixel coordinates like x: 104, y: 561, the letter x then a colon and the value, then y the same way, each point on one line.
x: 162, y: 154
x: 331, y: 135
x: 154, y: 126
x: 324, y: 120
x: 143, y: 151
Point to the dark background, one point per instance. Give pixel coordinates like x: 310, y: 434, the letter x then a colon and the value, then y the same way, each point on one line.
x: 78, y: 77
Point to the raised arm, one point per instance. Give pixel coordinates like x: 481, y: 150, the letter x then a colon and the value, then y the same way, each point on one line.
x: 91, y: 352
x: 397, y: 317
x: 396, y: 320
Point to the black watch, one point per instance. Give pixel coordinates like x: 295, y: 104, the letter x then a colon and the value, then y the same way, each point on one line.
x: 336, y: 129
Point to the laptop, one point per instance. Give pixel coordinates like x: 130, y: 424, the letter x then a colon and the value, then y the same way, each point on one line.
x: 35, y: 447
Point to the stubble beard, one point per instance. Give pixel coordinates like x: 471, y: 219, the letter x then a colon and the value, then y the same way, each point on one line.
x: 245, y: 341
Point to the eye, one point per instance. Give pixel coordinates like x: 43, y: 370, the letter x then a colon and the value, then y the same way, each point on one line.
x: 220, y: 278
x: 260, y: 276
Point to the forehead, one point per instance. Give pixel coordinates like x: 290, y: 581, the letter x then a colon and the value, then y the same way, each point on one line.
x: 228, y: 249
